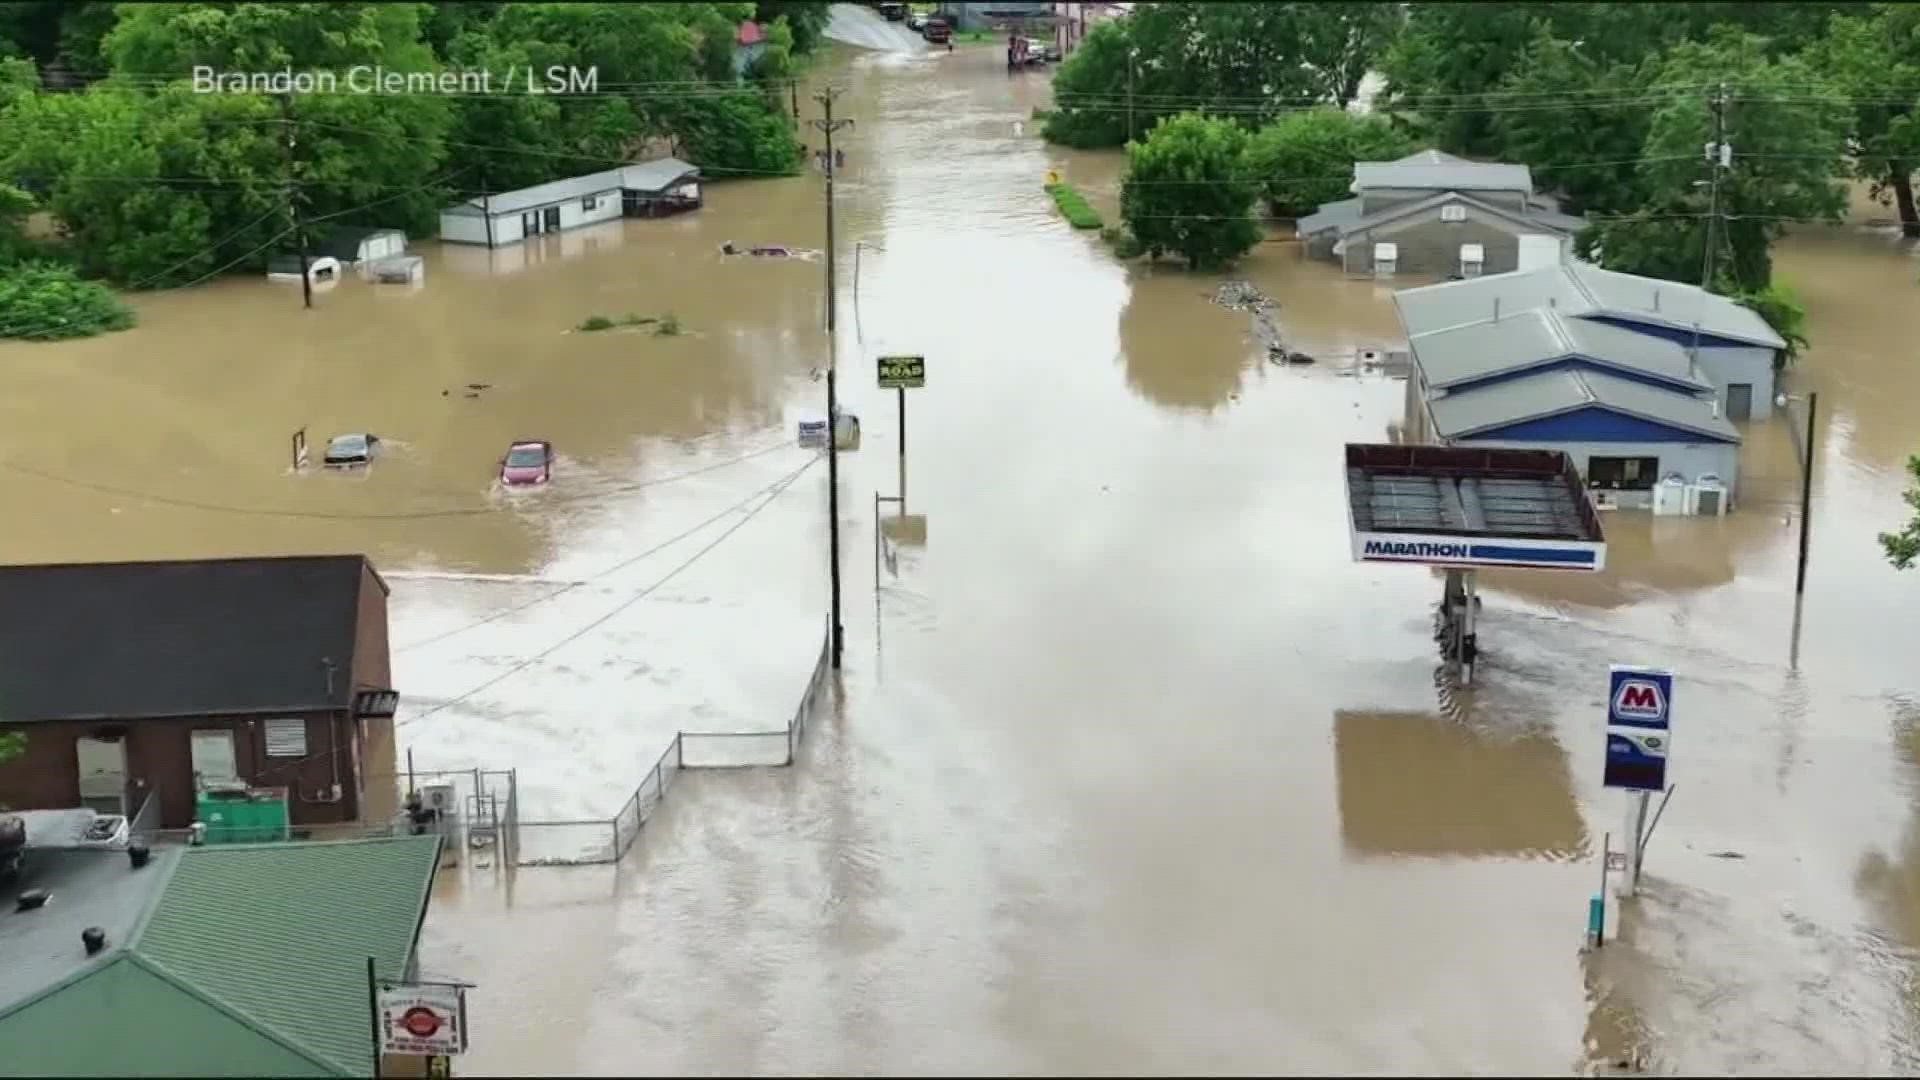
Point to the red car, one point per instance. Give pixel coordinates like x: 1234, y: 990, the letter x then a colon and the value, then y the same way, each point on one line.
x: 529, y: 461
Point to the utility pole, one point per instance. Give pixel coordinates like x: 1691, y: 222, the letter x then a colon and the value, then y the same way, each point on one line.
x: 1806, y: 500
x: 828, y: 125
x: 1719, y: 155
x: 486, y: 209
x: 293, y: 199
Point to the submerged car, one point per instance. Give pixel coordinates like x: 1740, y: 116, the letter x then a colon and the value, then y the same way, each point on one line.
x: 917, y: 21
x: 938, y: 30
x: 350, y: 451
x: 528, y: 461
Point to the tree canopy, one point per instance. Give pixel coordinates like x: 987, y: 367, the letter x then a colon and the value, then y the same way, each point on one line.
x: 1306, y: 158
x: 1248, y: 61
x: 1186, y: 192
x: 1903, y: 545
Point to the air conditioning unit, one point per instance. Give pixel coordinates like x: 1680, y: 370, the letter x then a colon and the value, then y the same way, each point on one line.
x: 1707, y: 497
x: 1670, y: 498
x: 1386, y: 259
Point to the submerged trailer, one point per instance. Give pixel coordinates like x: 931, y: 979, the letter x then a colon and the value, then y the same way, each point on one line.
x: 1460, y: 509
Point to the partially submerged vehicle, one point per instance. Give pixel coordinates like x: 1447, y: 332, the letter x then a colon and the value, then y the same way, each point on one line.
x: 350, y: 451
x: 528, y: 462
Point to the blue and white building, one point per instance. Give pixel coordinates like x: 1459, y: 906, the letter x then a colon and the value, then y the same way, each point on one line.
x: 1637, y: 380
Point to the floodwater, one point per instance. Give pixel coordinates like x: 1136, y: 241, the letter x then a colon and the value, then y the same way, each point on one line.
x: 1133, y: 769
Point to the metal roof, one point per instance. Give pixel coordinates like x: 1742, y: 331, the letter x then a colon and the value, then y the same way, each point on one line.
x: 1551, y: 393
x: 646, y: 176
x: 235, y: 921
x: 182, y: 638
x: 1579, y: 289
x: 1441, y: 172
x: 87, y: 888
x: 1330, y: 215
x: 654, y: 176
x: 1523, y: 218
x: 1464, y: 354
x: 1673, y: 303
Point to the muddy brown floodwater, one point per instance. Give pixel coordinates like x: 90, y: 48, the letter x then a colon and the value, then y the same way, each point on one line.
x: 1134, y: 771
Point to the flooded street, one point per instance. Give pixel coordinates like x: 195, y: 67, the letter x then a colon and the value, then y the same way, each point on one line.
x: 1133, y: 770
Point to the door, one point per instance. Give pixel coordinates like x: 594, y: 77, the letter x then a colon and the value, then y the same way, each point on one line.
x: 529, y: 224
x: 213, y: 759
x: 1739, y: 401
x: 552, y: 222
x: 103, y: 773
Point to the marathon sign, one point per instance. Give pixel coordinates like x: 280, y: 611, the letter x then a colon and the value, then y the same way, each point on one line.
x: 1639, y: 727
x: 1439, y: 549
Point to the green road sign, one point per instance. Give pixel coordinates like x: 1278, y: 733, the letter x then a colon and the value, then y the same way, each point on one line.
x: 901, y: 372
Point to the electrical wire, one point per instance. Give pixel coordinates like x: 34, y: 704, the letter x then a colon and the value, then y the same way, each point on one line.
x: 771, y: 497
x: 570, y: 586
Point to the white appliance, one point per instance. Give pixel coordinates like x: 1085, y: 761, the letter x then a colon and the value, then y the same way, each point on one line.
x: 1670, y: 498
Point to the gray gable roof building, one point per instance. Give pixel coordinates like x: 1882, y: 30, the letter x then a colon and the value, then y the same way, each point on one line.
x: 1438, y: 171
x: 649, y: 177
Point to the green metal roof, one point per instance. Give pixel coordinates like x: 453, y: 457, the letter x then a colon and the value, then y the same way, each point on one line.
x: 254, y: 955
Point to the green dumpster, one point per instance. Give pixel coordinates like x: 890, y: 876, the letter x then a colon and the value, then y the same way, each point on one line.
x: 243, y: 817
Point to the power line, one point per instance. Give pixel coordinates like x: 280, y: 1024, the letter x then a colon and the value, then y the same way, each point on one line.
x: 570, y: 586
x: 771, y: 497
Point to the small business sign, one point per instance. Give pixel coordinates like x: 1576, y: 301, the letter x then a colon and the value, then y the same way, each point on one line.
x: 902, y: 372
x: 376, y: 703
x: 1616, y: 860
x: 423, y: 1019
x: 1639, y: 727
x: 1440, y: 549
x: 813, y: 434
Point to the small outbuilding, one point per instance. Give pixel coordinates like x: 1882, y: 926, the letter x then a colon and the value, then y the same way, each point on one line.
x: 648, y: 189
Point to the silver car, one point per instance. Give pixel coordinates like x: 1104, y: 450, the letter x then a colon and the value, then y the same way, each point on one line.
x: 350, y: 451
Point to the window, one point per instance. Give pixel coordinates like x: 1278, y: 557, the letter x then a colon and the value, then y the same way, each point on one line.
x: 286, y: 737
x: 590, y: 203
x: 1453, y: 212
x: 1623, y: 473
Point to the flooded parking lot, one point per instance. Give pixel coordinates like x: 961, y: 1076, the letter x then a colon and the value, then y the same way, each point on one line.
x: 1133, y: 769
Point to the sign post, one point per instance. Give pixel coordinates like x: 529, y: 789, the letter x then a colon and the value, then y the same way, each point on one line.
x: 899, y: 374
x: 1639, y: 717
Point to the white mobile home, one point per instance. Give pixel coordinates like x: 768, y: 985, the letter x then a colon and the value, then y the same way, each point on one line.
x: 643, y: 190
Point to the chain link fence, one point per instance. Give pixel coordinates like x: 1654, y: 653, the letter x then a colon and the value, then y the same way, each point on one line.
x: 478, y: 810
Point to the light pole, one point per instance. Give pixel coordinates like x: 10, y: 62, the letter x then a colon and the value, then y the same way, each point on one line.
x: 859, y: 246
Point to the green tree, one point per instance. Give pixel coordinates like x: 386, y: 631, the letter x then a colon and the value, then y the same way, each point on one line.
x: 15, y: 205
x: 1788, y: 146
x: 12, y: 745
x: 1248, y: 61
x: 1186, y: 192
x: 737, y: 133
x: 807, y: 18
x: 1306, y: 158
x: 44, y: 301
x: 1903, y: 546
x: 1446, y: 62
x: 1872, y: 56
x: 1342, y: 41
x: 1577, y: 123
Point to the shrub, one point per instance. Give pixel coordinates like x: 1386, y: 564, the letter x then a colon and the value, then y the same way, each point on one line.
x: 1073, y: 206
x: 668, y: 326
x: 596, y: 322
x: 1781, y: 309
x: 43, y: 301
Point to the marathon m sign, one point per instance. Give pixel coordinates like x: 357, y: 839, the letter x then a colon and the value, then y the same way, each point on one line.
x: 1639, y: 727
x: 1463, y: 551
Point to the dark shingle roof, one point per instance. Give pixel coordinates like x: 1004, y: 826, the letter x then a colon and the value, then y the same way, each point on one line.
x: 137, y: 639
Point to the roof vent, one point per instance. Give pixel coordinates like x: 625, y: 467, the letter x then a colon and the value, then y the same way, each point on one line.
x: 94, y: 939
x: 138, y: 855
x: 1496, y: 309
x: 32, y: 900
x: 1656, y: 299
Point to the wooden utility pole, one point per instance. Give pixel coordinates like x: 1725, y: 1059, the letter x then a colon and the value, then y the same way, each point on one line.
x: 294, y: 197
x: 1806, y: 498
x: 828, y: 125
x: 1719, y: 156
